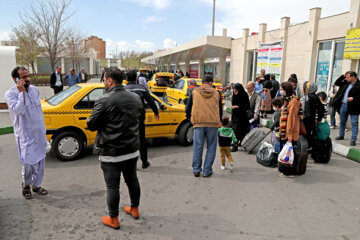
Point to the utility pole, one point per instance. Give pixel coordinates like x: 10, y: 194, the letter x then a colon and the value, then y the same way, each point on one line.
x: 213, y: 20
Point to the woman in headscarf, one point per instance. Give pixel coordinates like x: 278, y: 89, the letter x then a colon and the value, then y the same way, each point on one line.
x: 290, y: 115
x: 313, y: 111
x: 240, y: 105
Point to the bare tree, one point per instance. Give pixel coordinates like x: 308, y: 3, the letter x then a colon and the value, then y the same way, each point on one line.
x: 26, y: 39
x: 76, y: 47
x: 49, y: 19
x: 132, y: 59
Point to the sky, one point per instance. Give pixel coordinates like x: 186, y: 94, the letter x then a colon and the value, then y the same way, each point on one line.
x: 148, y: 25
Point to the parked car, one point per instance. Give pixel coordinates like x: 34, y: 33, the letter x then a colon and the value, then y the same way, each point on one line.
x: 160, y: 82
x: 180, y: 91
x: 66, y: 113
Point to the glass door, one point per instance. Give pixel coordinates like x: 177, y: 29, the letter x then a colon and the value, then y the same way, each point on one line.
x: 329, y: 63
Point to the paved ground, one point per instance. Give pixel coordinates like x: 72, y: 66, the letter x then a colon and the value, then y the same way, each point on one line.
x: 252, y: 202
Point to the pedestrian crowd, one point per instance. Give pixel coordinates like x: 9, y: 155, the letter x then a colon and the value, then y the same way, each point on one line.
x: 119, y: 115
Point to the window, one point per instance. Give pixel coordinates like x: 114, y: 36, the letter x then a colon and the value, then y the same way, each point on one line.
x: 251, y: 65
x: 180, y: 85
x: 156, y: 103
x: 61, y: 96
x: 88, y: 101
x: 329, y: 63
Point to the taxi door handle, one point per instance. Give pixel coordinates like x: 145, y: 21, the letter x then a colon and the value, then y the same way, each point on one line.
x: 82, y: 118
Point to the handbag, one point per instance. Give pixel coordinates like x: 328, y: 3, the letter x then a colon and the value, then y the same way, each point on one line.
x: 302, y: 128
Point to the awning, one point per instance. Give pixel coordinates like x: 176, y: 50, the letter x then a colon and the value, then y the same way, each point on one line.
x: 204, y: 47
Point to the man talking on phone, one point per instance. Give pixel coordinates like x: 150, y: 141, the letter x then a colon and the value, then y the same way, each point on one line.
x: 29, y: 129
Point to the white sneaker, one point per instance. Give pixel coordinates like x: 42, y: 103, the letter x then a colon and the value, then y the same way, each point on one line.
x: 223, y: 167
x: 231, y: 166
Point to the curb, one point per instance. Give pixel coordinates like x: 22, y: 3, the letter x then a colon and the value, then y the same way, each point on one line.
x: 342, y: 150
x: 6, y: 130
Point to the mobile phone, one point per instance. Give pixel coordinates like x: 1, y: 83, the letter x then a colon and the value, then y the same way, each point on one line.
x: 16, y: 80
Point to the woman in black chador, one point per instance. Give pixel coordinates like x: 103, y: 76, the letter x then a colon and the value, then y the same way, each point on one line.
x: 240, y: 105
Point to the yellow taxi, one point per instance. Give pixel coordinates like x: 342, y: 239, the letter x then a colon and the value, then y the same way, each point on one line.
x: 65, y: 116
x: 160, y: 82
x: 179, y: 92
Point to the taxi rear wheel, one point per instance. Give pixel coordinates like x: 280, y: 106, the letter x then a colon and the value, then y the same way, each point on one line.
x: 68, y: 145
x: 186, y: 134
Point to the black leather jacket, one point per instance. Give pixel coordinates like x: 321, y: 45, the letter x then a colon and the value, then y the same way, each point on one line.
x: 116, y: 118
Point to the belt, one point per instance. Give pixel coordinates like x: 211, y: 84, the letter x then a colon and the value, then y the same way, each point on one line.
x: 344, y: 104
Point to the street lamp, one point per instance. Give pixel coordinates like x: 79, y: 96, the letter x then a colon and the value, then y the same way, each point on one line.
x: 213, y: 20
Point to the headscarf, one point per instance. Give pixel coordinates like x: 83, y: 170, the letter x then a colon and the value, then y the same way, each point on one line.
x: 241, y: 99
x: 309, y: 88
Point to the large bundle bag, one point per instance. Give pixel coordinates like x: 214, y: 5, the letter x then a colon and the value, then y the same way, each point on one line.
x: 323, y: 131
x: 252, y: 139
x: 266, y: 155
x: 322, y: 150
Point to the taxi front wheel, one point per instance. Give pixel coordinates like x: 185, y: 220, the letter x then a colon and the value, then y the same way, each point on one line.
x: 68, y: 145
x: 186, y: 134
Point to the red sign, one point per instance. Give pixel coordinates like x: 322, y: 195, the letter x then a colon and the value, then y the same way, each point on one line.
x: 194, y: 73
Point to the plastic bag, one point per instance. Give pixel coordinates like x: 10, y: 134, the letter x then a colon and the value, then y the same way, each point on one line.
x: 286, y: 156
x: 265, y: 151
x: 265, y: 155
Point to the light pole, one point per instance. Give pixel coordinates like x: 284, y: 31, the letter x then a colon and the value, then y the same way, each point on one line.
x: 213, y: 20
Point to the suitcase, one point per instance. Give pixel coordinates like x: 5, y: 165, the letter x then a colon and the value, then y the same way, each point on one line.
x: 322, y: 150
x: 253, y: 138
x: 298, y: 167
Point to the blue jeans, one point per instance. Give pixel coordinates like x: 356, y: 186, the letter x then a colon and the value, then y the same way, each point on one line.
x: 332, y: 116
x: 354, y: 123
x: 200, y: 133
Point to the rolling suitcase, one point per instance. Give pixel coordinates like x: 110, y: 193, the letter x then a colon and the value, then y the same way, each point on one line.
x: 322, y: 150
x: 253, y: 138
x: 298, y: 167
x: 301, y: 161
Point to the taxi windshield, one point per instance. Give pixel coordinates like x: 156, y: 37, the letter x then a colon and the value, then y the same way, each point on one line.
x: 61, y: 96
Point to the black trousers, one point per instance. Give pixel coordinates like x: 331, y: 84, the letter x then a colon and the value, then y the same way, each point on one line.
x: 310, y: 126
x: 112, y: 173
x: 143, y: 145
x: 58, y: 89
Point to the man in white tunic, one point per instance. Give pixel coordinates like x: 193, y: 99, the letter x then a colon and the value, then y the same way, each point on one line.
x: 29, y: 130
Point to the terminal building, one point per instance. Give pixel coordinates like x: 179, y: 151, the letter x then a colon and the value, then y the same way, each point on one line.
x: 314, y: 50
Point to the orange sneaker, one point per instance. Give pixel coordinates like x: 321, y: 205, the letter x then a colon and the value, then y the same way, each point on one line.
x: 133, y: 211
x: 111, y: 222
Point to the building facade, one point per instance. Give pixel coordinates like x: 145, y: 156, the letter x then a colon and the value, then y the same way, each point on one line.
x: 98, y: 44
x: 313, y: 50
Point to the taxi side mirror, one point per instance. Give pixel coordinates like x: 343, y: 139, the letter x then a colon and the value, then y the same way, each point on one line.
x: 162, y: 107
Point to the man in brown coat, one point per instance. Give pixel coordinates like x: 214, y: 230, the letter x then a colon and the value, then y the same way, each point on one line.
x: 204, y: 108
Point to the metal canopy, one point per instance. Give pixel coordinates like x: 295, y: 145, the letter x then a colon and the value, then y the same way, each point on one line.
x: 204, y: 47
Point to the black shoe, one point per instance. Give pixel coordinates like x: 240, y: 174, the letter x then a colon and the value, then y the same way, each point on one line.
x: 196, y: 174
x: 352, y: 143
x: 209, y: 175
x: 145, y: 165
x: 339, y: 138
x: 234, y: 148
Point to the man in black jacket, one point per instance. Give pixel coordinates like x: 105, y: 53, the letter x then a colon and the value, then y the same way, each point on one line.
x: 145, y: 96
x: 115, y: 117
x: 56, y: 81
x: 347, y: 102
